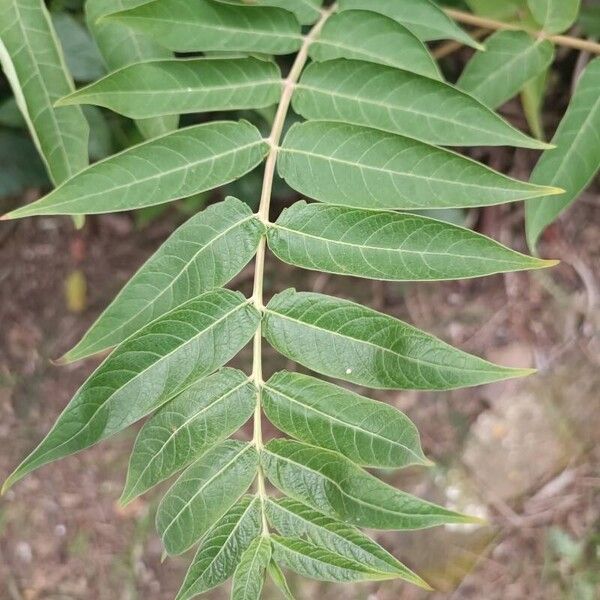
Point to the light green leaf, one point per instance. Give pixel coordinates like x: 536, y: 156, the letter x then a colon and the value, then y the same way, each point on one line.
x: 294, y: 519
x: 121, y: 46
x: 365, y: 168
x: 321, y: 564
x: 204, y: 253
x: 177, y: 165
x: 146, y: 371
x: 369, y: 36
x: 249, y: 576
x: 33, y: 63
x: 206, y: 490
x: 589, y: 20
x: 221, y: 549
x: 388, y: 246
x: 332, y: 484
x: 306, y: 11
x: 322, y: 414
x: 203, y: 415
x: 505, y: 10
x: 555, y: 16
x: 576, y: 159
x: 511, y: 59
x: 203, y: 25
x: 342, y: 339
x: 423, y: 17
x: 81, y: 52
x: 532, y: 99
x: 401, y: 102
x: 279, y: 580
x: 167, y: 87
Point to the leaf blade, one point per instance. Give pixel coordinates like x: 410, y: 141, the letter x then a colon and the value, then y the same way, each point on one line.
x: 204, y: 492
x: 249, y: 576
x: 203, y: 253
x: 152, y: 366
x: 357, y: 344
x: 555, y: 16
x: 177, y: 165
x: 345, y: 164
x: 401, y: 102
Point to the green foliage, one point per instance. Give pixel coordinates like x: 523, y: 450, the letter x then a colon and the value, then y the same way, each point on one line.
x: 554, y: 16
x: 378, y: 120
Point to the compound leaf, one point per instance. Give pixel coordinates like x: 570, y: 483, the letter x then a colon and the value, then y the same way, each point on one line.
x: 146, y: 371
x: 555, y: 16
x: 249, y: 576
x: 423, y: 17
x: 334, y: 485
x: 193, y: 85
x: 576, y: 159
x: 121, y: 46
x: 294, y: 519
x: 387, y: 245
x: 205, y: 25
x: 206, y: 490
x: 203, y: 415
x: 342, y: 339
x: 204, y: 253
x: 401, y: 102
x: 369, y: 433
x: 34, y: 65
x: 511, y: 59
x: 177, y: 165
x: 222, y: 548
x: 365, y: 168
x: 372, y: 37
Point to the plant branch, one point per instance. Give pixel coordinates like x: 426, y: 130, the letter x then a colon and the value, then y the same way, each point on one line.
x: 263, y: 214
x: 559, y: 40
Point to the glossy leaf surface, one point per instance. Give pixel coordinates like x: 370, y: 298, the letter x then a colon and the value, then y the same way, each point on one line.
x: 365, y: 168
x: 387, y: 246
x: 360, y: 345
x: 158, y: 88
x: 204, y: 253
x: 367, y: 432
x: 204, y: 414
x: 401, y: 102
x: 146, y: 371
x: 177, y: 165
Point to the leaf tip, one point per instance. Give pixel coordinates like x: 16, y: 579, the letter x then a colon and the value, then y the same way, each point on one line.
x: 555, y: 191
x: 547, y: 263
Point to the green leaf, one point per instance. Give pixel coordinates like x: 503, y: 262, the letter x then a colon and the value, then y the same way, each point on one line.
x: 20, y: 164
x: 555, y: 16
x: 193, y: 85
x: 369, y: 433
x: 332, y: 484
x: 279, y: 580
x: 423, y: 17
x: 33, y: 63
x: 589, y: 20
x: 177, y: 165
x: 576, y: 159
x: 387, y: 246
x: 294, y: 519
x: 81, y: 53
x: 365, y: 168
x: 203, y: 25
x: 221, y: 549
x: 206, y: 490
x: 249, y: 576
x: 203, y: 415
x: 204, y: 253
x: 319, y: 563
x: 401, y: 102
x: 505, y: 10
x: 342, y: 339
x: 511, y: 59
x: 146, y: 371
x: 369, y: 36
x: 532, y: 99
x: 121, y: 46
x: 306, y: 11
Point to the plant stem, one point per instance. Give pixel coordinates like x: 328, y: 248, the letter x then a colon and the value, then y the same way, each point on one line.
x: 559, y: 40
x: 263, y: 214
